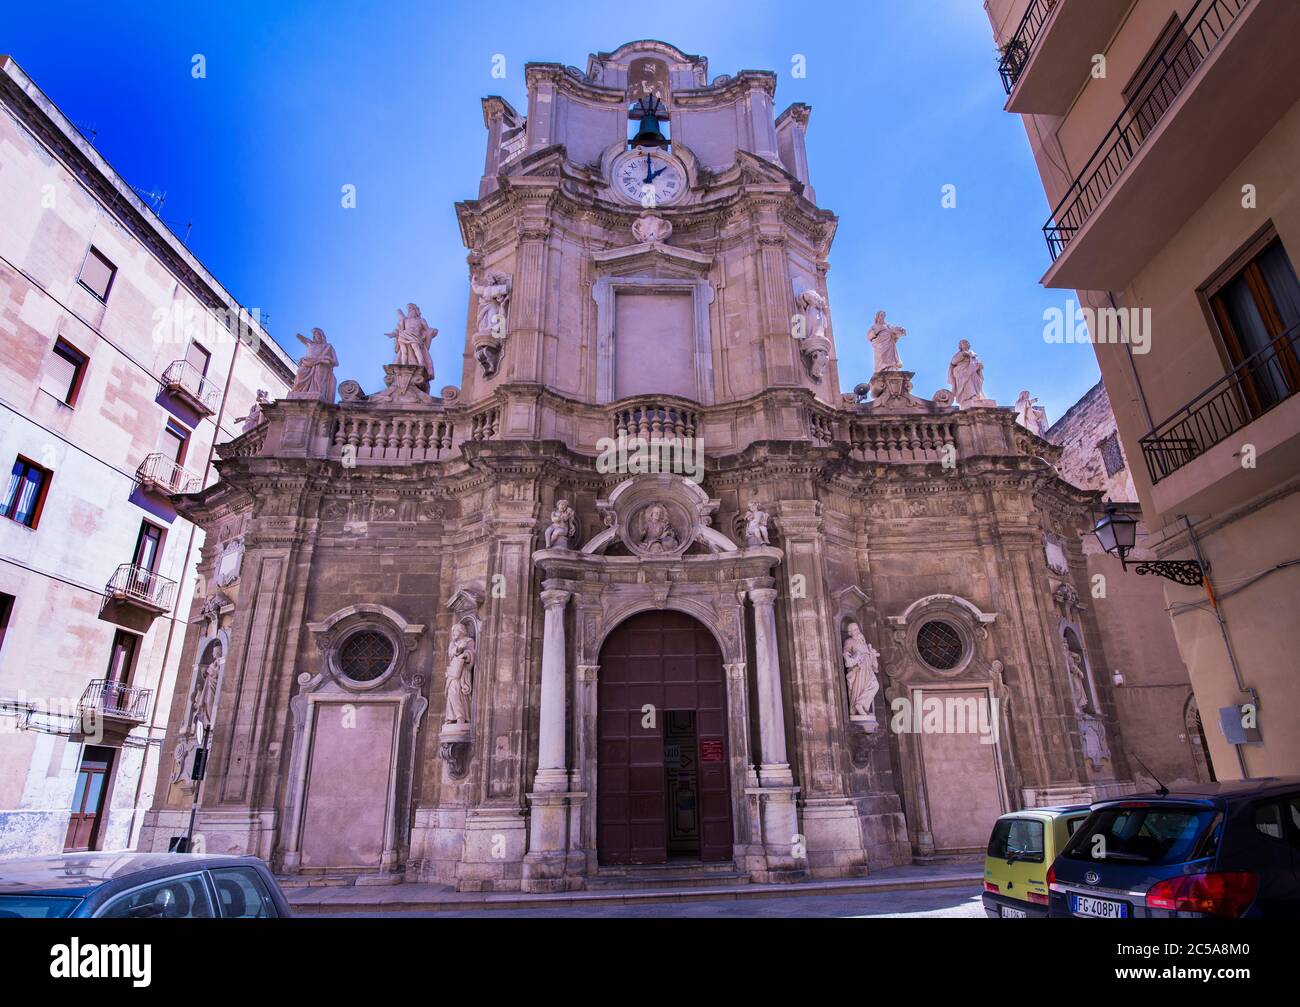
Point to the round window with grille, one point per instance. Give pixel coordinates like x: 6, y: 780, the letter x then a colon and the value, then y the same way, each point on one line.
x: 939, y: 645
x: 366, y: 655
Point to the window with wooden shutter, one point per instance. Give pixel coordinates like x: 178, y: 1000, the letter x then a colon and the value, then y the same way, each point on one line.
x: 97, y: 274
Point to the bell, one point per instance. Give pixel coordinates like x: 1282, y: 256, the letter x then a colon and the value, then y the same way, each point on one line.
x: 648, y: 133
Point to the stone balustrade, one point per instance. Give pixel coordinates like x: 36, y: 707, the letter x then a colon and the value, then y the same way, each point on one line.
x: 921, y: 439
x: 654, y: 419
x: 402, y: 436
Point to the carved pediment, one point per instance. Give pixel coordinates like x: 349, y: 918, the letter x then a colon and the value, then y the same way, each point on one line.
x: 653, y: 259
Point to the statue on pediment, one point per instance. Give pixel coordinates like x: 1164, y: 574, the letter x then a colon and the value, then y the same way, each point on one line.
x: 315, y: 377
x: 884, y: 343
x: 411, y: 340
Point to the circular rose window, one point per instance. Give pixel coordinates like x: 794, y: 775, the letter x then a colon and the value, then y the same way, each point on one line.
x: 939, y: 645
x: 365, y: 656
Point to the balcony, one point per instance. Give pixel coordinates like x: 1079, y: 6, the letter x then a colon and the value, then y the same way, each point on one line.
x: 160, y: 474
x: 654, y: 419
x: 1260, y: 393
x: 182, y: 380
x: 136, y: 587
x: 1049, y: 58
x: 1230, y: 73
x: 110, y: 710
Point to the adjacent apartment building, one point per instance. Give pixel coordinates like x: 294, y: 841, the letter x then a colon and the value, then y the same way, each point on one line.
x: 122, y: 363
x: 1167, y: 134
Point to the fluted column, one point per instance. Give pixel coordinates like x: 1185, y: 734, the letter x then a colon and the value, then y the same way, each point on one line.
x: 552, y: 773
x: 774, y: 767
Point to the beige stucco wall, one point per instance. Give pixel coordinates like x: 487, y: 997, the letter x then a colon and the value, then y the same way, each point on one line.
x: 56, y: 641
x: 1247, y: 520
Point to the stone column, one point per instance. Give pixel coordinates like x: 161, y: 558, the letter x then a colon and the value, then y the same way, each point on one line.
x: 552, y: 773
x: 774, y: 765
x: 546, y: 866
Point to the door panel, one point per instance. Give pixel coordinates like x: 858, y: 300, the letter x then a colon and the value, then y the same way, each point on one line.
x: 668, y: 661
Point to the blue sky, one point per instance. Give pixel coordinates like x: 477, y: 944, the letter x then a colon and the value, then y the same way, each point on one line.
x: 301, y: 99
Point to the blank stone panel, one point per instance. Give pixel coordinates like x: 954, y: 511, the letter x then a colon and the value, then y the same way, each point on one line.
x: 654, y: 344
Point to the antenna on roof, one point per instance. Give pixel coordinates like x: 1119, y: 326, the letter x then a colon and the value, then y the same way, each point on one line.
x: 1161, y: 789
x: 157, y: 199
x: 89, y: 132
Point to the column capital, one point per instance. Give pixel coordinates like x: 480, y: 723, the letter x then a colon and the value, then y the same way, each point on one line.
x: 736, y: 670
x: 764, y: 596
x: 555, y: 598
x: 587, y: 672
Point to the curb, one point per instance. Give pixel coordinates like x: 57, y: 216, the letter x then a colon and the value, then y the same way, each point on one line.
x: 460, y: 901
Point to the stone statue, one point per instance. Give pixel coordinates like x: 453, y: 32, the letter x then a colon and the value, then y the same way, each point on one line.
x: 861, y: 666
x: 204, y: 699
x: 490, y: 326
x: 815, y: 310
x: 966, y: 376
x: 255, y: 417
x: 755, y: 525
x: 315, y: 377
x: 814, y: 344
x: 884, y: 343
x: 658, y: 534
x: 651, y: 228
x: 493, y: 302
x: 203, y: 702
x: 1078, y: 681
x: 1029, y: 415
x: 563, y: 528
x: 461, y: 652
x: 411, y: 340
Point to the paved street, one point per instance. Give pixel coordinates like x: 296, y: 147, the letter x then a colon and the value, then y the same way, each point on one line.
x: 959, y: 901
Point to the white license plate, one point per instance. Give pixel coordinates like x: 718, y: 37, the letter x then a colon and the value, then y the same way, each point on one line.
x: 1084, y: 905
x: 1007, y: 911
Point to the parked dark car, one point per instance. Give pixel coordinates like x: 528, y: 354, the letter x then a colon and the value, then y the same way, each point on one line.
x: 124, y: 885
x: 1227, y: 849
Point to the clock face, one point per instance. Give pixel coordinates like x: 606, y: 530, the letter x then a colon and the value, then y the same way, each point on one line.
x: 648, y: 178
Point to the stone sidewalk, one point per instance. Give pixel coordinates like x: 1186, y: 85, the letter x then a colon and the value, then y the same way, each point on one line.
x: 340, y: 899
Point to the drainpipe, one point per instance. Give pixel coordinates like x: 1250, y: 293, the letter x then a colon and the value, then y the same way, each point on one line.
x: 1223, y: 629
x: 1132, y: 367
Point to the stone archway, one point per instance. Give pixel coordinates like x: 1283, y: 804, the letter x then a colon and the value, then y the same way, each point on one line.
x: 663, y: 786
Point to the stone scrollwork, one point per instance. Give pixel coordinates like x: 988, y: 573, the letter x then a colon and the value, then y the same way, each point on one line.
x: 658, y: 516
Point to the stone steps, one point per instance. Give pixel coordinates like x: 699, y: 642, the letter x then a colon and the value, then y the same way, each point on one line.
x: 657, y: 876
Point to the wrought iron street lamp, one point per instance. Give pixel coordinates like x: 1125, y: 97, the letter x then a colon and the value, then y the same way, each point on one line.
x: 1117, y: 534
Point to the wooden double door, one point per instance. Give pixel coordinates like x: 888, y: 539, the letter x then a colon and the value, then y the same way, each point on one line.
x: 662, y: 785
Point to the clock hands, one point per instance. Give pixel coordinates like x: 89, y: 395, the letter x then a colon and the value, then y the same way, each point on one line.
x: 650, y: 176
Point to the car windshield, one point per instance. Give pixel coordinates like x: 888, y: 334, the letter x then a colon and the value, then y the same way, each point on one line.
x: 1141, y: 835
x: 36, y: 907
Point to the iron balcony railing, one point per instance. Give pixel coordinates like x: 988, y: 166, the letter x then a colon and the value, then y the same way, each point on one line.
x: 1260, y: 382
x: 1206, y: 23
x: 1015, y: 54
x: 157, y: 470
x: 183, y: 377
x: 113, y: 699
x: 141, y: 586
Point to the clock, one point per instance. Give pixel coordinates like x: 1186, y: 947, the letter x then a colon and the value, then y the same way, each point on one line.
x: 648, y: 178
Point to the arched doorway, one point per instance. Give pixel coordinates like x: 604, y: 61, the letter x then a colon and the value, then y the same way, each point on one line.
x: 662, y: 787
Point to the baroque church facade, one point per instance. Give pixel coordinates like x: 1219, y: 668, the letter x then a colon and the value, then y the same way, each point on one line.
x: 647, y: 587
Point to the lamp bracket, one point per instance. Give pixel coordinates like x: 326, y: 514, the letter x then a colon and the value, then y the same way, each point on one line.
x: 1181, y: 571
